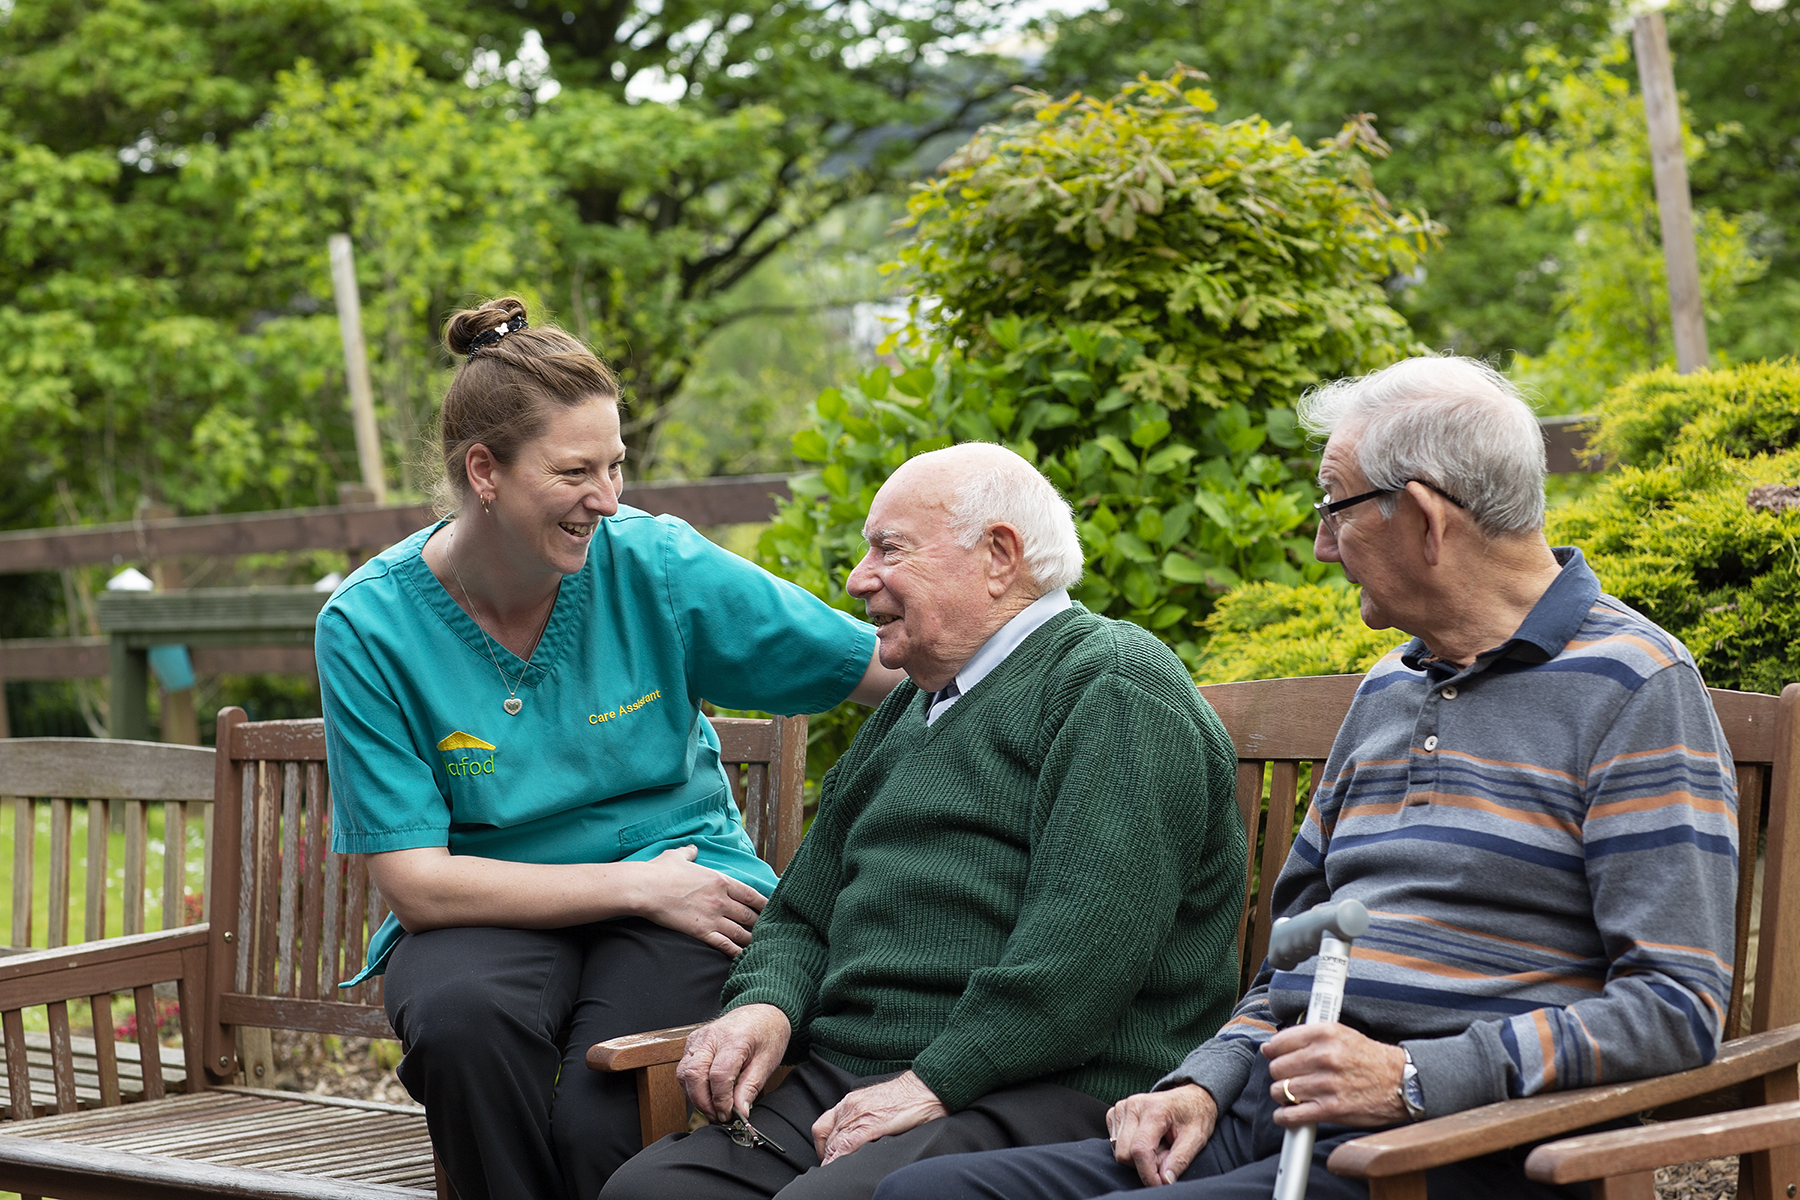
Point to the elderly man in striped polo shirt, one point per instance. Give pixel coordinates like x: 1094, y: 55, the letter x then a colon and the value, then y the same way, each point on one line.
x: 1532, y: 797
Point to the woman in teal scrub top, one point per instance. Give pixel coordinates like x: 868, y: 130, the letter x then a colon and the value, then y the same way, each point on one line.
x: 512, y: 716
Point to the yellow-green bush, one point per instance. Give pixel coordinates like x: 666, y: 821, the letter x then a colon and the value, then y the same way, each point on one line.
x: 1669, y: 532
x: 1749, y: 410
x: 1678, y: 542
x: 1270, y: 631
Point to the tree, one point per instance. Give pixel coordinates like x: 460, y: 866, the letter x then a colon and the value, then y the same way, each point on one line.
x: 443, y: 202
x: 169, y: 173
x: 1734, y: 63
x: 779, y: 115
x: 1587, y: 153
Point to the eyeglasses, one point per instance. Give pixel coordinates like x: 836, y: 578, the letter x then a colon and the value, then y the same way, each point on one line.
x: 1328, y: 509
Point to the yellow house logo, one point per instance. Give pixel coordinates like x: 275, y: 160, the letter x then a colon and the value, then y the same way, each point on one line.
x: 473, y: 763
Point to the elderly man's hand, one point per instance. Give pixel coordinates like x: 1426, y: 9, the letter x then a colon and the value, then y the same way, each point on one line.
x: 727, y: 1061
x: 1160, y: 1132
x: 1335, y: 1074
x: 875, y: 1111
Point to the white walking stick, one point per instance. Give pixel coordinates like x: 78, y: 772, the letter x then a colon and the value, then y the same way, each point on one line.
x: 1326, y: 931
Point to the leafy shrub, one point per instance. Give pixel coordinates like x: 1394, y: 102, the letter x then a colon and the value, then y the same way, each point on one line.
x: 1138, y: 294
x: 1272, y: 631
x: 1130, y: 295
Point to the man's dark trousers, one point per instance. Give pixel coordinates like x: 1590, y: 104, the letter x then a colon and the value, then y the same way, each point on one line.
x: 708, y: 1165
x: 1237, y: 1163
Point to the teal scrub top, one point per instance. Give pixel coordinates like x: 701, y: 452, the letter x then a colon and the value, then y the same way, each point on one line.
x: 609, y: 759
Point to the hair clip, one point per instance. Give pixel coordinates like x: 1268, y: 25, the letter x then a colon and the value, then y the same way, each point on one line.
x: 488, y: 337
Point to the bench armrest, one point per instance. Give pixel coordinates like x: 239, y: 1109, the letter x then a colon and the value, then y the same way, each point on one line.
x: 1628, y: 1151
x: 1492, y: 1127
x: 635, y: 1050
x: 90, y: 968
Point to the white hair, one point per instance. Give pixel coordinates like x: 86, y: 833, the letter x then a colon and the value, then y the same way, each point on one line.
x: 1452, y: 422
x: 996, y: 486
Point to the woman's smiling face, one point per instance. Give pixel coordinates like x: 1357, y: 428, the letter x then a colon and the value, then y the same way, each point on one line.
x: 549, y: 500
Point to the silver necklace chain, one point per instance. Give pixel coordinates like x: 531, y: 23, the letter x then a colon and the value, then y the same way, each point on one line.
x: 512, y: 704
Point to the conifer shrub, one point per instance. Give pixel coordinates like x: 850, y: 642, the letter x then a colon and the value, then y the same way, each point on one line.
x: 1272, y: 631
x: 1679, y: 542
x: 1746, y: 411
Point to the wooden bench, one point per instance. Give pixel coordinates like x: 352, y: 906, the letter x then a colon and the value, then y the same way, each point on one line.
x: 291, y: 919
x: 64, y: 791
x: 1282, y: 730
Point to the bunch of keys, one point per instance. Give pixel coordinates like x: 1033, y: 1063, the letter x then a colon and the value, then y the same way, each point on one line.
x: 741, y: 1131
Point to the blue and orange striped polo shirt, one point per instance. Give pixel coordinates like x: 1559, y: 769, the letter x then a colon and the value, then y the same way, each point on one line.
x: 1546, y: 841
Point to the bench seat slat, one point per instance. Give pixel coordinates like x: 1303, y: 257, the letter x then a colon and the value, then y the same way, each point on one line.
x: 250, y: 1138
x: 51, y: 1164
x: 250, y: 1133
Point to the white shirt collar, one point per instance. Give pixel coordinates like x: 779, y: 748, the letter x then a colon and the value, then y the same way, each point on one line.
x: 1005, y: 640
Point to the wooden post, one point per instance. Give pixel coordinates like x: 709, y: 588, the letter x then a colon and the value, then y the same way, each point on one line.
x: 180, y: 723
x: 1669, y: 166
x: 356, y: 365
x: 128, y: 704
x: 355, y: 493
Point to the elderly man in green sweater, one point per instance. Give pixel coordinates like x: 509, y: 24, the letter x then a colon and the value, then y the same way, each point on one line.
x: 1019, y: 901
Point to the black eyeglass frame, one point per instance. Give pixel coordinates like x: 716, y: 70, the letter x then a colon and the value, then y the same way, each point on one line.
x: 1329, y: 508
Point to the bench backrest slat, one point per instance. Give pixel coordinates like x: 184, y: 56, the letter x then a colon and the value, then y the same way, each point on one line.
x: 66, y: 794
x: 99, y: 842
x: 1282, y: 730
x: 312, y: 882
x: 24, y: 854
x: 59, y: 873
x: 1777, y: 998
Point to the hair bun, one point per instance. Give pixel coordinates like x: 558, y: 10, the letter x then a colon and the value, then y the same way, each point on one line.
x: 464, y: 327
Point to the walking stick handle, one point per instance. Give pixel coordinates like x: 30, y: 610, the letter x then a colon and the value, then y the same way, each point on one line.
x: 1293, y: 940
x: 1326, y: 931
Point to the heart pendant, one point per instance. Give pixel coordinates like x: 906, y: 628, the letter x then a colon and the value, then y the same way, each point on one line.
x: 513, y: 705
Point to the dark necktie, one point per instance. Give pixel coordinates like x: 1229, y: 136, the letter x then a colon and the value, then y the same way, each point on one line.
x: 948, y: 692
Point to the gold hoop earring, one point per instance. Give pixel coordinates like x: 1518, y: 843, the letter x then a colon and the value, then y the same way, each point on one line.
x: 485, y: 501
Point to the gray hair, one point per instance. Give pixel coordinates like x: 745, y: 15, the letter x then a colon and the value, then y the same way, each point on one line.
x: 1453, y: 422
x: 997, y: 486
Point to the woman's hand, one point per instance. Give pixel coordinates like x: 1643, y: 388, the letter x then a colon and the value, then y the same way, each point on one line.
x: 1159, y: 1133
x: 677, y: 893
x: 1334, y: 1074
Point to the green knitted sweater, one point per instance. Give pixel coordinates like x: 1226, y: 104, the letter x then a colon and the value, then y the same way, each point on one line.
x: 1044, y: 884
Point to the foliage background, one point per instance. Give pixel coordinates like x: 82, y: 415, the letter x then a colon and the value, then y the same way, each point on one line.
x: 701, y: 188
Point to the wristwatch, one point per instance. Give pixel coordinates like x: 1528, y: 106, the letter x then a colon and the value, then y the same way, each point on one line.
x: 1411, y: 1094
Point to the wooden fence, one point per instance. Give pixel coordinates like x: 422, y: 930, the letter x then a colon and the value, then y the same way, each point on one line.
x: 732, y: 500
